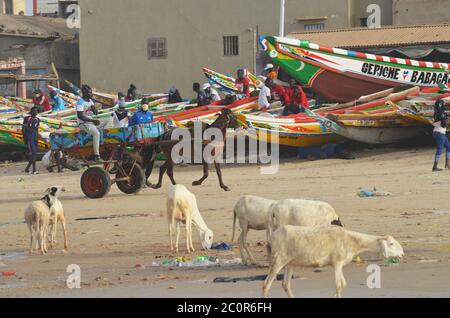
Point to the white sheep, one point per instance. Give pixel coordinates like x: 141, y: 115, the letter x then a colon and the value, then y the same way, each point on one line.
x: 294, y: 246
x: 251, y: 211
x: 301, y: 213
x: 182, y: 208
x: 57, y: 215
x: 37, y: 218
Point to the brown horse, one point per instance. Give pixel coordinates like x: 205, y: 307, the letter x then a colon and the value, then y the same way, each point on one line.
x: 225, y: 120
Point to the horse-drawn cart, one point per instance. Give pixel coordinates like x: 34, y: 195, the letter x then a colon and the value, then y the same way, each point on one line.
x: 119, y: 150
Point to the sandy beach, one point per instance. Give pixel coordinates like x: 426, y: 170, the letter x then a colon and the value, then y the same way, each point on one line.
x: 116, y: 255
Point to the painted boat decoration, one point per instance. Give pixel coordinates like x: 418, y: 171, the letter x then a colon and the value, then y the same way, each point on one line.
x: 339, y: 75
x: 12, y: 140
x: 226, y: 84
x: 288, y: 132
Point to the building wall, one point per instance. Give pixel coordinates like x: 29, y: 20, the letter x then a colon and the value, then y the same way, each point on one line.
x: 408, y: 12
x: 39, y: 54
x: 113, y: 37
x: 47, y: 6
x: 360, y: 11
x: 18, y: 6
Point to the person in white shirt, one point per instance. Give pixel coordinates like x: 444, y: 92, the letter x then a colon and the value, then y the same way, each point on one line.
x: 85, y: 110
x: 265, y: 96
x: 211, y: 93
x: 439, y: 134
x: 120, y: 116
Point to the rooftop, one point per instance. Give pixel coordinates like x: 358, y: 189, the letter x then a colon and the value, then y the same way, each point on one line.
x: 40, y: 27
x: 379, y: 37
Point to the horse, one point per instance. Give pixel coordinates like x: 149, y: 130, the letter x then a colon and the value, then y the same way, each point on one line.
x: 225, y: 120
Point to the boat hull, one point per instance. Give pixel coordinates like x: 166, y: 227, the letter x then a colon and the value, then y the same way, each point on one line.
x: 340, y: 75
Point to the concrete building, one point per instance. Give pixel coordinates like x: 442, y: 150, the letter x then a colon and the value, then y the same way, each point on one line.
x: 158, y: 43
x: 40, y: 42
x: 13, y: 7
x: 407, y: 12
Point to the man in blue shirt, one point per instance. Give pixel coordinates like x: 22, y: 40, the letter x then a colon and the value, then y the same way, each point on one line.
x: 143, y: 116
x: 57, y: 102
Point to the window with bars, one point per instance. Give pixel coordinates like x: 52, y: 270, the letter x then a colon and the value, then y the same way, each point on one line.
x: 315, y: 26
x: 231, y: 45
x: 156, y: 48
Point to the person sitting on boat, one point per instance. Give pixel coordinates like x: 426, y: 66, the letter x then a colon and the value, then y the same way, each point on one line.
x: 265, y: 98
x: 143, y: 116
x: 242, y: 85
x: 270, y: 72
x: 85, y: 110
x: 174, y: 96
x: 211, y: 93
x: 57, y: 102
x: 202, y: 99
x: 41, y: 101
x: 440, y: 124
x: 131, y: 94
x: 278, y: 94
x: 120, y: 116
x: 296, y: 100
x: 120, y: 99
x: 30, y: 131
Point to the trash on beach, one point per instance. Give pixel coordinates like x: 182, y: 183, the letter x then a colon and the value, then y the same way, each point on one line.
x: 439, y: 213
x: 21, y: 179
x: 428, y: 261
x: 445, y: 248
x: 221, y: 246
x: 114, y: 216
x: 358, y: 259
x: 172, y: 287
x: 199, y: 261
x: 244, y: 279
x: 8, y: 274
x: 373, y: 193
x: 392, y: 260
x: 90, y: 232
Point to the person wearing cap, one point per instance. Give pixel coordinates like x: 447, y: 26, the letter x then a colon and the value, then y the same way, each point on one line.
x: 120, y: 99
x: 211, y: 93
x: 120, y: 116
x: 174, y: 96
x: 41, y: 101
x: 265, y: 98
x: 85, y: 110
x: 270, y: 72
x: 202, y: 99
x: 143, y: 116
x: 242, y: 85
x: 30, y: 131
x: 57, y: 102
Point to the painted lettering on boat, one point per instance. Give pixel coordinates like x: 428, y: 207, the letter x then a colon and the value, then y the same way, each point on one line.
x: 381, y: 71
x: 416, y: 77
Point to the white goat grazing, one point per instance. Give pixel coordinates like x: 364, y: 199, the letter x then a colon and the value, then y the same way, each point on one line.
x: 37, y: 217
x: 182, y: 208
x: 252, y: 213
x: 57, y: 215
x: 301, y: 213
x: 294, y: 246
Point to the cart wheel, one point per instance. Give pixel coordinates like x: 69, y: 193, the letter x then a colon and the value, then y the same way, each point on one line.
x: 95, y: 183
x: 136, y: 181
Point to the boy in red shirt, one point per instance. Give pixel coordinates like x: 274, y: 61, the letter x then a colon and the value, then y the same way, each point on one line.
x: 279, y: 94
x: 242, y: 85
x: 41, y: 101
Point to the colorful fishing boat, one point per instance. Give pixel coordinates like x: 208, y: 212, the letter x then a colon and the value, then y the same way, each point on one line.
x: 12, y: 140
x: 226, y: 84
x: 339, y: 75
